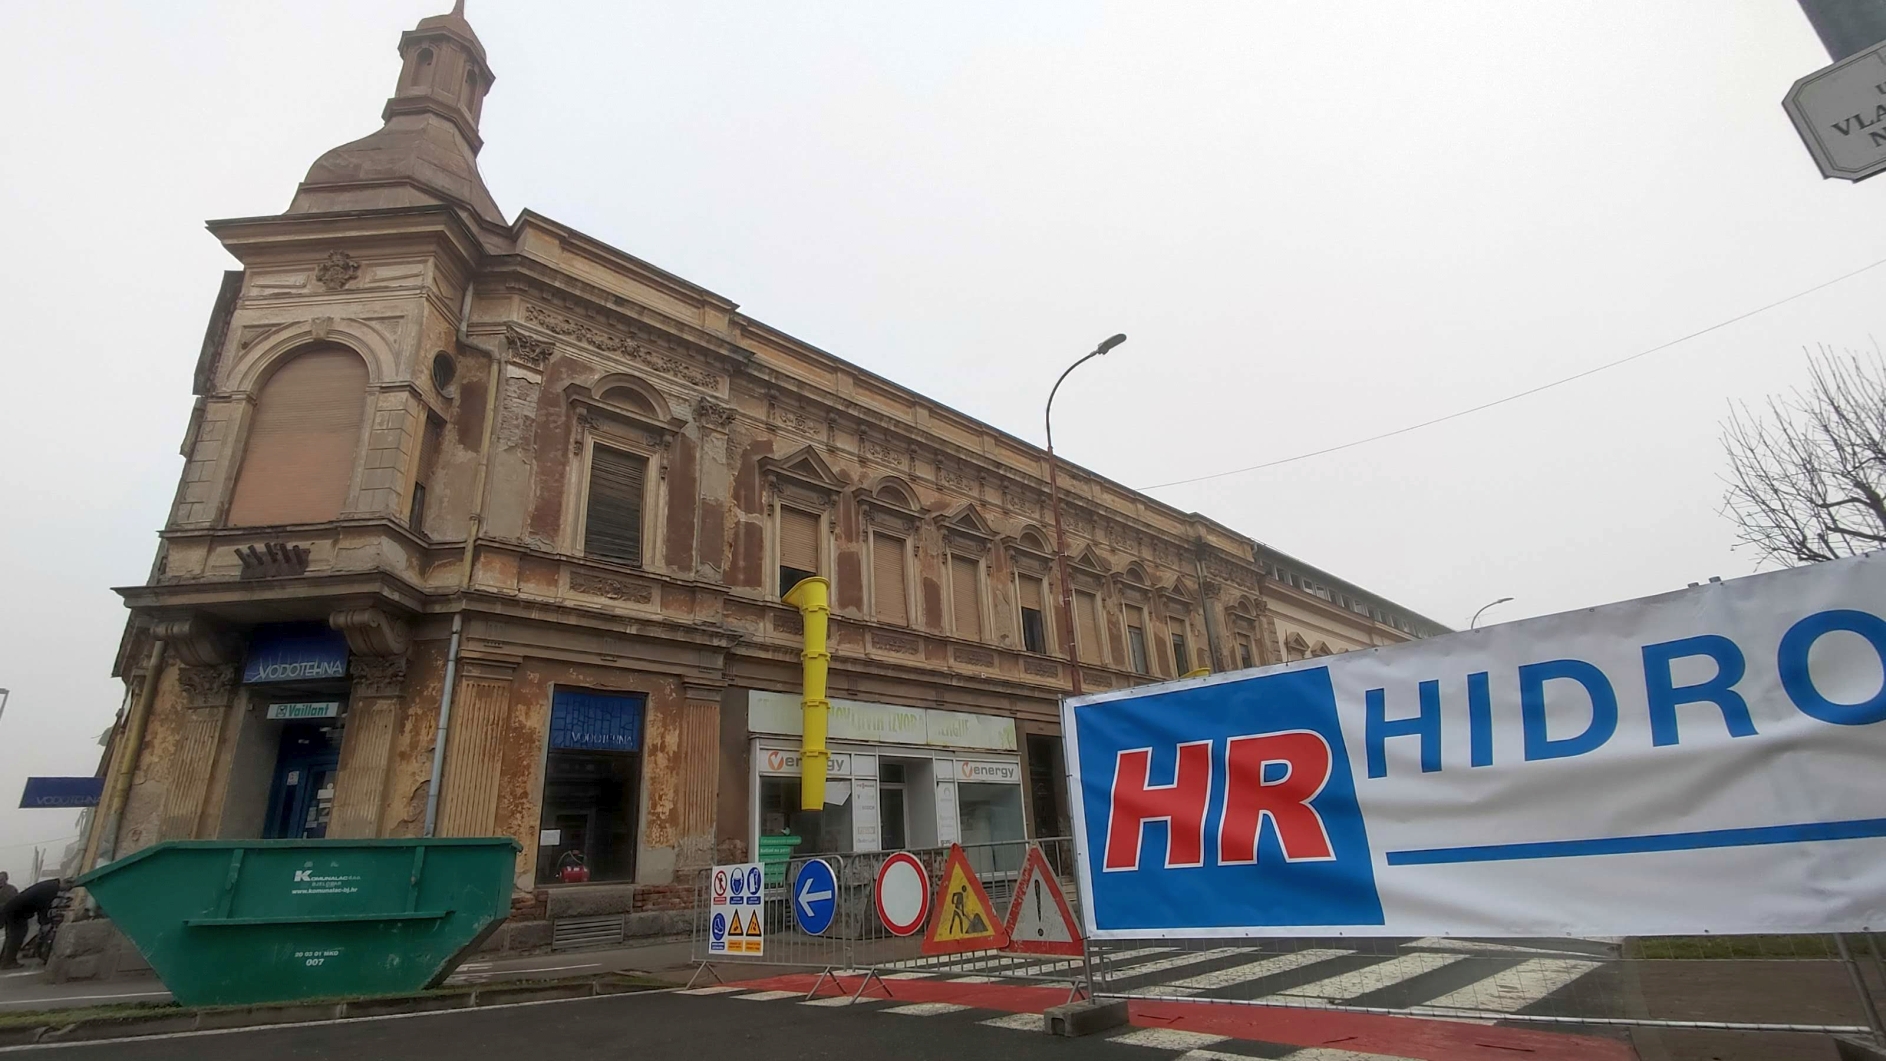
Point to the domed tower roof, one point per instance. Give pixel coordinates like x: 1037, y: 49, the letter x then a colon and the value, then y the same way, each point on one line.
x: 427, y: 152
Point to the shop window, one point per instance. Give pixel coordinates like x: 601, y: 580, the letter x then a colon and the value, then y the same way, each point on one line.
x: 1181, y: 657
x: 612, y: 520
x: 299, y: 460
x: 966, y: 596
x: 893, y: 807
x: 592, y: 780
x: 1136, y: 639
x: 798, y: 547
x: 1087, y: 626
x: 1034, y: 624
x: 992, y: 814
x: 890, y: 591
x: 781, y: 815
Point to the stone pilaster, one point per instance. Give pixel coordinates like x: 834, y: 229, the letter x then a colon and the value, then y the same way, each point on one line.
x: 474, y: 749
x: 207, y: 694
x: 373, y: 712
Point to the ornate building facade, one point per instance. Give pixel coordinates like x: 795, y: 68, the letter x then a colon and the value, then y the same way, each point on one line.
x: 483, y: 527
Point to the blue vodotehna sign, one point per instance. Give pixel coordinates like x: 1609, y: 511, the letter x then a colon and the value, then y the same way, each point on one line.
x: 1702, y: 761
x: 600, y: 722
x: 291, y: 652
x: 62, y: 792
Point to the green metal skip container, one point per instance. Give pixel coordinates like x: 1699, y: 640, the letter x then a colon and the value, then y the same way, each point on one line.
x: 233, y: 922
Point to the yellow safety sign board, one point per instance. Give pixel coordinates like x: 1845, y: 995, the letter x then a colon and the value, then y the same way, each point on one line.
x: 961, y: 916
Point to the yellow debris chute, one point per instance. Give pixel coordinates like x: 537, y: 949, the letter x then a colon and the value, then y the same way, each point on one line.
x: 812, y: 596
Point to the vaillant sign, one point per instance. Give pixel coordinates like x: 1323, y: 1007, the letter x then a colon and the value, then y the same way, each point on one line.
x: 1703, y: 761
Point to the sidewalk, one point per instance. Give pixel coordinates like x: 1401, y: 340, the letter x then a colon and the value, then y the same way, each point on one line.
x: 28, y: 989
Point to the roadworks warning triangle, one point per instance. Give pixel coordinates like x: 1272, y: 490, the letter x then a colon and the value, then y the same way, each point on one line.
x: 961, y: 916
x: 1039, y: 920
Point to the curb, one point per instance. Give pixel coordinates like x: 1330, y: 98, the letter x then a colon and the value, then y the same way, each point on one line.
x: 170, y: 1022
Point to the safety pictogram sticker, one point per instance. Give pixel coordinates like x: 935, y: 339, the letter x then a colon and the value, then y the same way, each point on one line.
x: 738, y: 896
x: 962, y: 918
x: 1039, y: 920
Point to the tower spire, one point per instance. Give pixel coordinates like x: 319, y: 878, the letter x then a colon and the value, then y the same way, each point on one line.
x: 427, y: 150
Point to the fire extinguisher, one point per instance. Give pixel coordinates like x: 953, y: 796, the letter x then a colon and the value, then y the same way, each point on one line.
x: 570, y: 868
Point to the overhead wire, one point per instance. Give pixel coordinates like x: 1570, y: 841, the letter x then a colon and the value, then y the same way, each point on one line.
x: 1457, y: 414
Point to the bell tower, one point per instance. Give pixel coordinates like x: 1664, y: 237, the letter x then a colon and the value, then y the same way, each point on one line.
x: 443, y: 72
x: 427, y: 152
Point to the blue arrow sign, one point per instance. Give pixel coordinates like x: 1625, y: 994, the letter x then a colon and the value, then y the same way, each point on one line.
x: 815, y: 896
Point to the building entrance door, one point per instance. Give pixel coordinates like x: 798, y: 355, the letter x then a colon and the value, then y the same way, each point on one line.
x: 301, y: 797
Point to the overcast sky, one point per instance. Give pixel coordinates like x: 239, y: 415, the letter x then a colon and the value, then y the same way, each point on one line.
x: 1316, y: 221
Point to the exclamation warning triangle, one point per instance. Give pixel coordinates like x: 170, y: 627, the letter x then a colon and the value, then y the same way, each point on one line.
x: 1039, y: 920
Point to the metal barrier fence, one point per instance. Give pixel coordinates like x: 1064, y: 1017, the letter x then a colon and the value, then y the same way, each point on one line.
x: 1825, y: 984
x: 1819, y: 983
x: 858, y: 941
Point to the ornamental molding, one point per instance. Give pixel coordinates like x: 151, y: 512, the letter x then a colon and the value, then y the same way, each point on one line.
x: 529, y: 350
x: 377, y: 675
x: 371, y: 632
x: 610, y: 343
x: 337, y: 271
x: 207, y: 686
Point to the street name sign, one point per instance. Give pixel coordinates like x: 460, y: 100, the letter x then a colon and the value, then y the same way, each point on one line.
x: 1840, y: 112
x: 1705, y: 761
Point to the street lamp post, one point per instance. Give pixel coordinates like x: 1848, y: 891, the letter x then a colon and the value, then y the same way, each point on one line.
x: 1060, y: 536
x: 1484, y: 607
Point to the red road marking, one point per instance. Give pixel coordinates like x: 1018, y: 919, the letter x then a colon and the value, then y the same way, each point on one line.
x: 1367, y: 1033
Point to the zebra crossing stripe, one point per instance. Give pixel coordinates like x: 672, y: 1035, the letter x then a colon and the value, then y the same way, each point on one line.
x: 1069, y: 963
x: 717, y: 989
x: 768, y: 996
x: 1384, y: 974
x: 1133, y: 972
x: 1021, y: 1022
x: 1167, y: 1039
x: 926, y: 1009
x: 1240, y: 974
x: 1513, y: 989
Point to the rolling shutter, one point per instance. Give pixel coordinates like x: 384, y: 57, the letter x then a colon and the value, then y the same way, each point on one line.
x: 966, y: 598
x: 798, y: 540
x: 1087, y: 617
x: 1031, y: 593
x: 300, y: 456
x: 612, y: 527
x: 887, y: 576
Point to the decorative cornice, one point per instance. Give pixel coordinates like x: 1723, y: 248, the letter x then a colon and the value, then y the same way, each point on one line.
x: 610, y: 343
x: 371, y: 632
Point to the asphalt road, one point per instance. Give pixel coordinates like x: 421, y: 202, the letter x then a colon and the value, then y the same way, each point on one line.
x: 648, y: 1027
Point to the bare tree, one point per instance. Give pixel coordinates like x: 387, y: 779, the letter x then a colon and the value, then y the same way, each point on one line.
x: 1807, y: 475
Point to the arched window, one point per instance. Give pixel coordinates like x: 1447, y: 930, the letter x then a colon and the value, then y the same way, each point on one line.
x: 422, y: 68
x: 300, y: 455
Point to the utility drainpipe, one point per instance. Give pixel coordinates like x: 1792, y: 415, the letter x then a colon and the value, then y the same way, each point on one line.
x: 465, y: 562
x: 118, y: 791
x: 812, y: 596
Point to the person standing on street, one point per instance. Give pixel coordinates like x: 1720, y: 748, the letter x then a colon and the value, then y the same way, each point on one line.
x: 34, y: 902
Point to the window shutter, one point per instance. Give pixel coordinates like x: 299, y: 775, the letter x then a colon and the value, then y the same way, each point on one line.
x: 887, y: 575
x: 612, y: 528
x: 300, y: 456
x: 1031, y: 593
x: 798, y: 540
x: 1088, y: 618
x: 965, y: 591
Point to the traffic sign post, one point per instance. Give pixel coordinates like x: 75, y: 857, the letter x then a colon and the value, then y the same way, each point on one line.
x: 815, y: 897
x: 1840, y: 112
x: 902, y: 893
